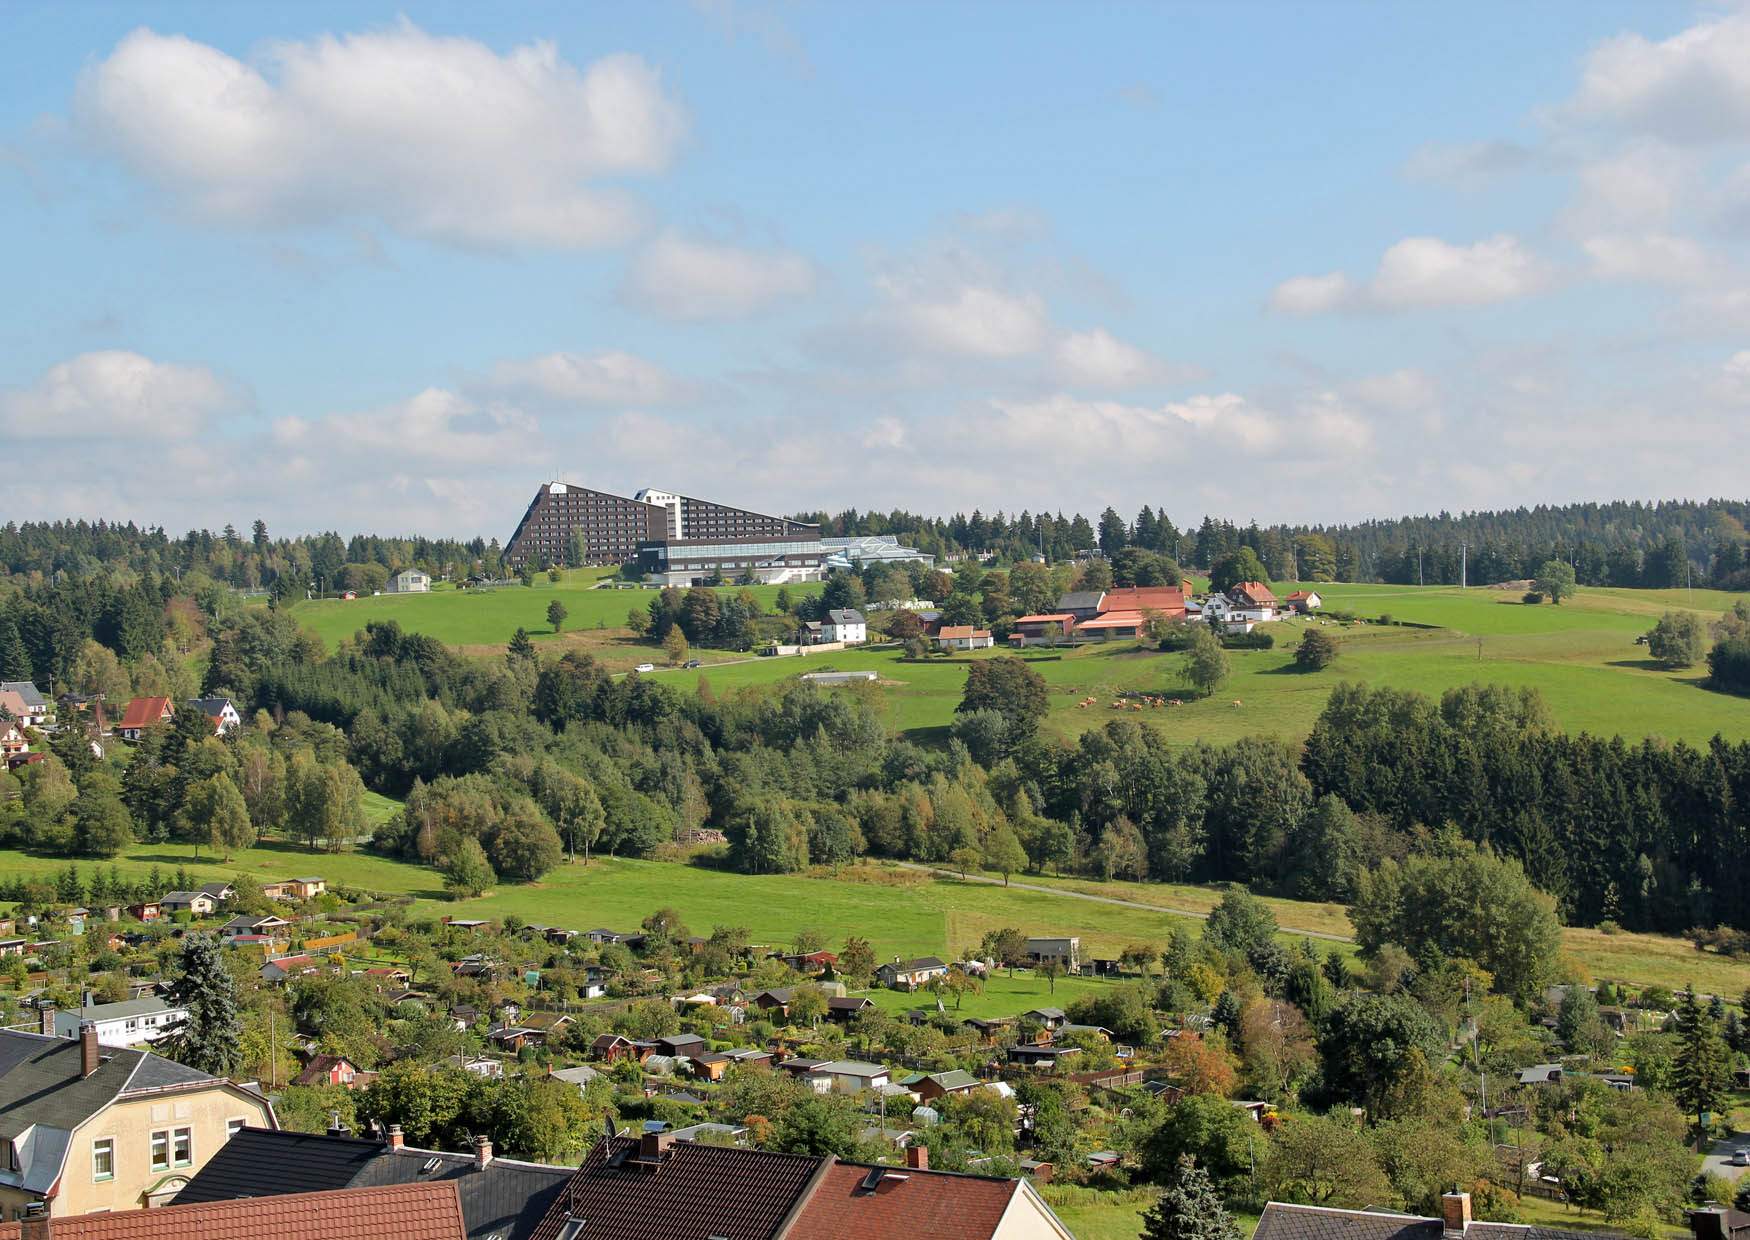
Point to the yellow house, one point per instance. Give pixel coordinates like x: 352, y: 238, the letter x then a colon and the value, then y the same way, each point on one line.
x: 87, y: 1128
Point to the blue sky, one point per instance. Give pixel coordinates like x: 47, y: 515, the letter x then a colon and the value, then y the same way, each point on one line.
x: 370, y: 267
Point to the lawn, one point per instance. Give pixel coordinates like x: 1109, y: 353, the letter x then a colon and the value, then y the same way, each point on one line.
x: 479, y: 621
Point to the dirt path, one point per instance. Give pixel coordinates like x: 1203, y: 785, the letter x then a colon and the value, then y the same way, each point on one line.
x: 1122, y: 903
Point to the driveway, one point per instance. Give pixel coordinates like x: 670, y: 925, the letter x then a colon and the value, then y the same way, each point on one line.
x: 1715, y: 1163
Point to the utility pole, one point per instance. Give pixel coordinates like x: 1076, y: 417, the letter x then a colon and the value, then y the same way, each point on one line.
x: 1463, y: 565
x: 1419, y: 580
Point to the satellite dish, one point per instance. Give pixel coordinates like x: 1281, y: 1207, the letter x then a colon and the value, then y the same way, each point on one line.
x: 613, y: 1130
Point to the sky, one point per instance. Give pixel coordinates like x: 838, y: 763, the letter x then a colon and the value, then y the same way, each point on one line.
x: 387, y: 268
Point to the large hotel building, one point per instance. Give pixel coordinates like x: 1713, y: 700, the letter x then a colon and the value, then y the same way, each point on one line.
x: 675, y: 539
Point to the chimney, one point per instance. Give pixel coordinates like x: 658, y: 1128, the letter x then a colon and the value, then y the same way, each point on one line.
x: 47, y: 1014
x: 395, y: 1138
x: 917, y: 1157
x: 1455, y: 1213
x: 653, y: 1146
x: 1709, y: 1223
x: 89, y: 1061
x: 36, y: 1222
x: 335, y: 1127
x: 482, y: 1152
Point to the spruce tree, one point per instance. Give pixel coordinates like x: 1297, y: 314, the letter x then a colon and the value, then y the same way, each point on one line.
x: 1189, y: 1208
x: 208, y: 1037
x: 1704, y: 1066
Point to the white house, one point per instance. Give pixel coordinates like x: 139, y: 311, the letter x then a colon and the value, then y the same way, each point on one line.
x: 124, y: 1024
x: 408, y: 581
x: 197, y: 902
x: 852, y: 1076
x: 1304, y: 601
x: 222, y: 711
x: 27, y: 705
x: 963, y: 637
x: 848, y: 626
x: 911, y: 974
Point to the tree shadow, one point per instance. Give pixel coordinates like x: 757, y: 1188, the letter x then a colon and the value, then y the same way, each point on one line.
x: 1639, y: 665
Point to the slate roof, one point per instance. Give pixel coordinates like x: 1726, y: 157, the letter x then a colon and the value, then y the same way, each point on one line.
x: 907, y: 1203
x: 505, y: 1201
x: 848, y: 615
x: 1293, y: 1222
x: 694, y: 1191
x: 1081, y: 600
x: 26, y: 690
x: 406, y: 1212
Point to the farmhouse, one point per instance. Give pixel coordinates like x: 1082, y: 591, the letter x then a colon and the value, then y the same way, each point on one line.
x: 963, y: 637
x: 1304, y: 602
x: 847, y: 625
x: 143, y: 713
x: 1045, y: 629
x: 408, y: 581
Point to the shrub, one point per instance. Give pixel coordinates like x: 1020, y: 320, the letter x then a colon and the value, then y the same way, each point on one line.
x: 1609, y: 926
x: 1532, y: 597
x: 1255, y: 640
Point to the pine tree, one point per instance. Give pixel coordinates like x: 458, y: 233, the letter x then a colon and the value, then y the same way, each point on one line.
x: 14, y: 659
x: 1189, y: 1208
x: 208, y: 1037
x: 1704, y: 1066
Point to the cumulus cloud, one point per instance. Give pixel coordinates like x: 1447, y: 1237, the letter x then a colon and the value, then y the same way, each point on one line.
x: 1097, y: 358
x: 1423, y: 272
x: 612, y: 378
x: 116, y: 394
x: 678, y: 278
x: 1693, y: 87
x: 1653, y: 258
x: 435, y: 137
x: 970, y: 320
x: 435, y: 426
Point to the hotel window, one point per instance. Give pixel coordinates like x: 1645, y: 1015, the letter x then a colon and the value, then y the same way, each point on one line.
x: 103, y: 1159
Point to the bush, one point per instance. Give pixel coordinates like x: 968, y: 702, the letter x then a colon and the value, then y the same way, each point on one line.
x: 1255, y: 640
x: 1532, y: 597
x: 1385, y: 617
x: 1609, y: 926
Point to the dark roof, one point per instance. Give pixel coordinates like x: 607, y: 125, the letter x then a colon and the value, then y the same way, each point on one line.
x: 1081, y: 600
x: 848, y: 615
x: 1292, y: 1222
x: 40, y: 1081
x: 505, y: 1200
x: 26, y: 690
x: 695, y: 1191
x: 411, y: 1212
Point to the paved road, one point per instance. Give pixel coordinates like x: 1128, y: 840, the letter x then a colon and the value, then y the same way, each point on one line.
x: 1088, y: 895
x: 1715, y: 1163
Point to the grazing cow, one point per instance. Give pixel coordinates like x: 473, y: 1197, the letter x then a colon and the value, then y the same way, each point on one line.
x: 1238, y: 703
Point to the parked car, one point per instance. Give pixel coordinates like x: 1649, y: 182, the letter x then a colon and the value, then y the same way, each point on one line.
x: 691, y: 663
x: 645, y: 667
x: 1741, y: 1158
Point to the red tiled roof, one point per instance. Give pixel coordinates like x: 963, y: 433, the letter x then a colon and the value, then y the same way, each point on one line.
x: 1112, y: 620
x: 905, y: 1203
x: 1145, y: 598
x: 961, y: 630
x: 429, y: 1211
x: 143, y: 712
x: 694, y: 1191
x: 1256, y: 591
x: 1300, y: 594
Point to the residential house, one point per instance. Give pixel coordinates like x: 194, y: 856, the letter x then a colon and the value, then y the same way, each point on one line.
x: 408, y: 581
x: 144, y: 713
x: 847, y: 625
x: 403, y: 1211
x: 220, y: 891
x: 199, y: 903
x: 14, y: 746
x: 221, y: 710
x: 265, y: 926
x: 1044, y: 629
x: 963, y: 637
x: 333, y: 1070
x: 848, y: 1008
x: 27, y: 705
x: 655, y: 1187
x: 930, y: 1086
x: 86, y: 1127
x: 911, y: 974
x: 287, y: 967
x: 1066, y: 953
x: 1296, y: 1222
x: 852, y: 1076
x: 501, y: 1198
x: 1253, y: 600
x: 132, y: 1022
x: 1305, y: 602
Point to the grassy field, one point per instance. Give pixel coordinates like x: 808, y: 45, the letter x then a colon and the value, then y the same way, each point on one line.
x: 1581, y: 657
x: 482, y: 621
x: 906, y: 913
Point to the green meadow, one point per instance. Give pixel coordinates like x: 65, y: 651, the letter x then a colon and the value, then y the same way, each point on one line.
x: 902, y: 912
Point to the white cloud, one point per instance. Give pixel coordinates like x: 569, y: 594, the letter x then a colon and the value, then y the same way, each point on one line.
x: 1399, y: 391
x: 678, y: 278
x: 1472, y: 165
x: 1691, y: 87
x: 1097, y: 358
x: 1312, y: 294
x: 1734, y: 378
x: 971, y: 320
x: 1423, y: 272
x: 436, y: 426
x: 116, y: 394
x: 613, y: 378
x: 1653, y: 258
x: 440, y: 138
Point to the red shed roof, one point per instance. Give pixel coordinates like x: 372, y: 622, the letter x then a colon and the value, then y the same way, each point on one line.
x: 428, y: 1211
x: 904, y: 1202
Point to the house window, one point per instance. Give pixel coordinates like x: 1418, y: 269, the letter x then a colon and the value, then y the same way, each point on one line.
x: 103, y: 1159
x: 233, y: 1127
x: 181, y: 1147
x: 161, y: 1151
